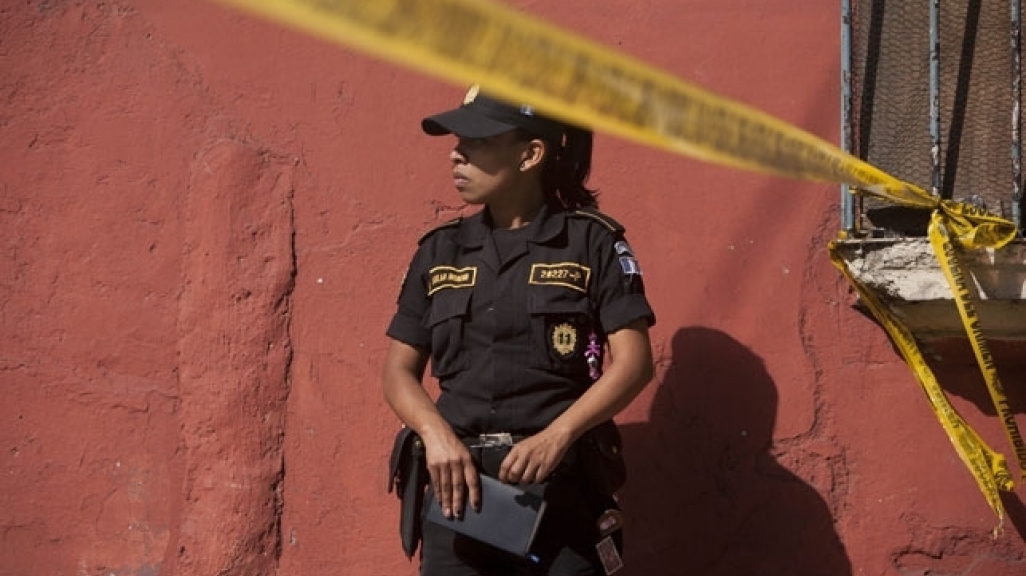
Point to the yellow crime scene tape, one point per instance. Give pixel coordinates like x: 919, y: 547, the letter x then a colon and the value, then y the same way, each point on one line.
x: 988, y: 467
x: 524, y: 59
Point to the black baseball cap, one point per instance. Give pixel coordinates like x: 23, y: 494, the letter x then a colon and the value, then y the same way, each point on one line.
x: 482, y: 116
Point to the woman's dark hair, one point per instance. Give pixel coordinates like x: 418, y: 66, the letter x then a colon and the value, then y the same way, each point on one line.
x: 567, y: 169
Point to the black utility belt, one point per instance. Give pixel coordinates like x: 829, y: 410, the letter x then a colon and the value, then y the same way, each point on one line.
x: 597, y: 456
x: 489, y: 450
x: 492, y: 440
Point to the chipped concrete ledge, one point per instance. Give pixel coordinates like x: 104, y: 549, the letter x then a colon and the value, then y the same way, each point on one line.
x: 906, y: 275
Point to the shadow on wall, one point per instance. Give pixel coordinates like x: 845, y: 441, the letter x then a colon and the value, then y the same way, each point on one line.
x: 705, y: 496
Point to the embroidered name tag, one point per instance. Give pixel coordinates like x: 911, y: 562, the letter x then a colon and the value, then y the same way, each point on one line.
x: 441, y: 277
x: 569, y: 274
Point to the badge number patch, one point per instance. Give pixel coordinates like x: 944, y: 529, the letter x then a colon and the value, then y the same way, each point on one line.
x: 441, y: 277
x: 568, y: 274
x: 564, y: 339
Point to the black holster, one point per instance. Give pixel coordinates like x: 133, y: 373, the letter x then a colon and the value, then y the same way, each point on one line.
x: 408, y: 475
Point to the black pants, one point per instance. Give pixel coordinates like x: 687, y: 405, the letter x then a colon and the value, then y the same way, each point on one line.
x: 564, y: 546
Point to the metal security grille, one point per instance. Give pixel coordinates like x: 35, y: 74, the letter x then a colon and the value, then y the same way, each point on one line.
x: 961, y: 54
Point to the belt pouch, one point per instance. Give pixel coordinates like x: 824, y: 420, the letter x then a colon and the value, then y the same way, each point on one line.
x: 408, y: 475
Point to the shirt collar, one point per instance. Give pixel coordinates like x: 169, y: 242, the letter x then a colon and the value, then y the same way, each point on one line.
x: 547, y: 224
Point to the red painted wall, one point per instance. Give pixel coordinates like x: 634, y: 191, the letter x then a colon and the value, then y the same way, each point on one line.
x: 205, y: 221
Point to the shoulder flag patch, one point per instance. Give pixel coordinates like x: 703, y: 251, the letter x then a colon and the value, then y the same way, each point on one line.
x: 629, y: 265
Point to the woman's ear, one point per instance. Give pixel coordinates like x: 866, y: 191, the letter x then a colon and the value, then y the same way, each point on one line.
x: 533, y: 154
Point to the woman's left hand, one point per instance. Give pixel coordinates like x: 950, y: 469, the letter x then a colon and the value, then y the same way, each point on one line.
x: 630, y: 368
x: 532, y: 459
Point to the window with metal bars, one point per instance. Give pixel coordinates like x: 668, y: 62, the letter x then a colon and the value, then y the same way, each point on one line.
x: 932, y: 95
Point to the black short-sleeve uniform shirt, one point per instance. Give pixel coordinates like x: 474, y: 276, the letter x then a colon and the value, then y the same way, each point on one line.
x: 511, y: 317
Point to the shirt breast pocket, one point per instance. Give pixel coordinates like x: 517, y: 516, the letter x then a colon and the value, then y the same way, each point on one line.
x: 446, y: 319
x: 562, y: 327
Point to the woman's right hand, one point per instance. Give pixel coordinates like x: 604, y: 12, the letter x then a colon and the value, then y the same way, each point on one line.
x: 453, y: 475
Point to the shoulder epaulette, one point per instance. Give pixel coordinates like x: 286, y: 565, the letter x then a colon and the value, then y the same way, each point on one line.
x: 450, y: 224
x: 605, y: 220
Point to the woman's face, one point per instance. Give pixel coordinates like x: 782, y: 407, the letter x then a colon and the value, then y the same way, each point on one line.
x: 487, y: 170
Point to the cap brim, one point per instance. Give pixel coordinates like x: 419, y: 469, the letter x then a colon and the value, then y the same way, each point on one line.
x: 464, y: 122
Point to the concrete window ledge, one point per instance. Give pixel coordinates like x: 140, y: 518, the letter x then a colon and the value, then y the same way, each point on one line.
x: 906, y: 276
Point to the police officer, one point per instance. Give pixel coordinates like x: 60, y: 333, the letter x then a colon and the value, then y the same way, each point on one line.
x: 533, y: 314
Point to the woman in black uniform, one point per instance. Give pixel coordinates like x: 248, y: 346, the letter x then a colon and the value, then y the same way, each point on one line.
x: 533, y: 314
